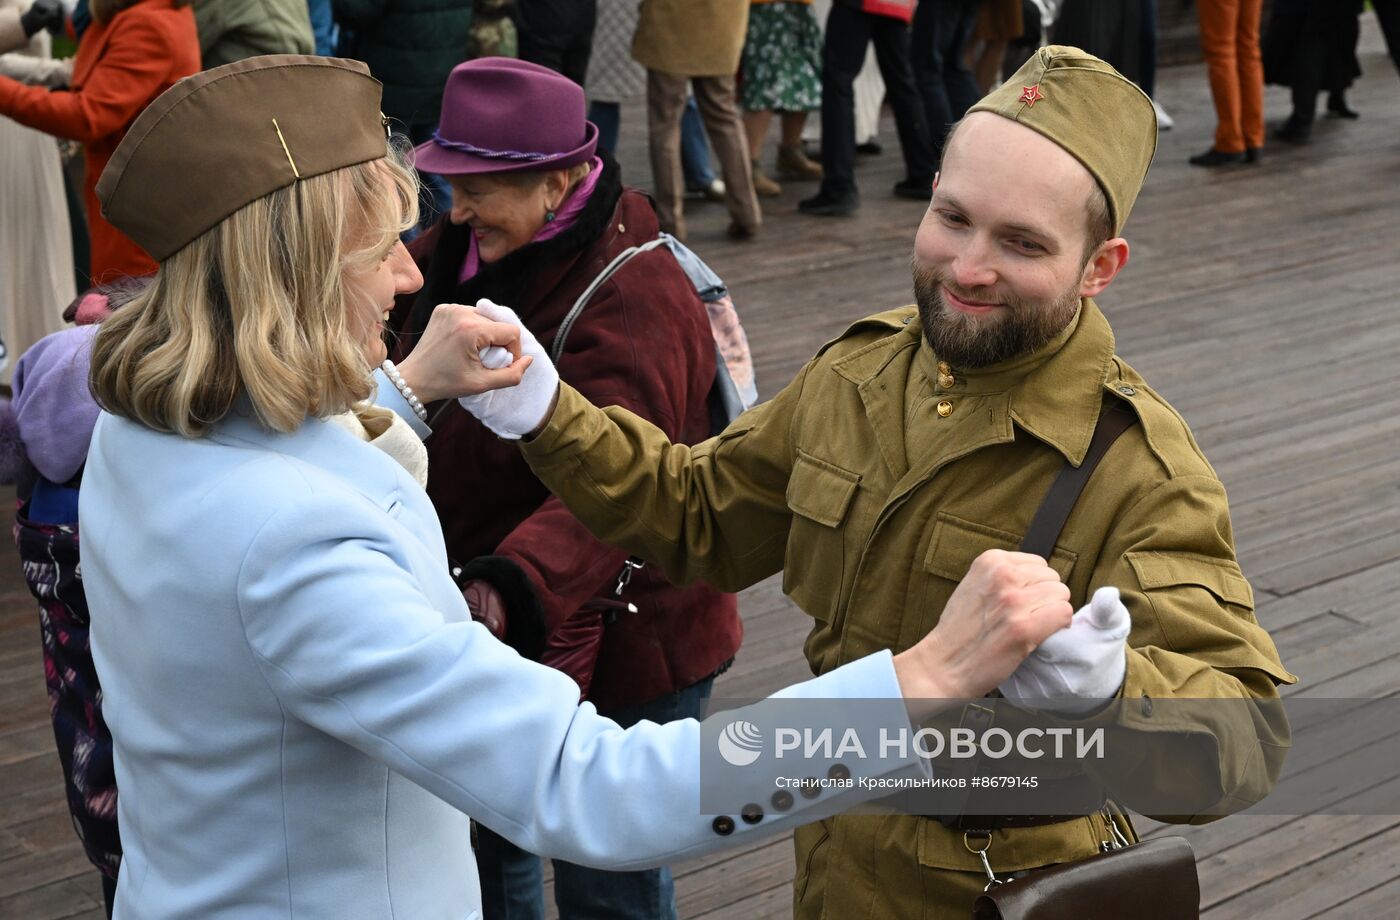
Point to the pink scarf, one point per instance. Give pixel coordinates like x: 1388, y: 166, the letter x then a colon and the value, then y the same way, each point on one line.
x: 563, y: 220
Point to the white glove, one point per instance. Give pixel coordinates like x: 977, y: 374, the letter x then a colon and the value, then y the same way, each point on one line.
x: 1081, y: 667
x: 514, y: 411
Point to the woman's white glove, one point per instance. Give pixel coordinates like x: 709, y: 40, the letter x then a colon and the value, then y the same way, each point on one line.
x: 1079, y: 668
x: 515, y: 411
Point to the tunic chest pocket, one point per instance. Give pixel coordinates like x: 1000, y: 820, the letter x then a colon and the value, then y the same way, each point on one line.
x: 952, y: 548
x: 819, y: 494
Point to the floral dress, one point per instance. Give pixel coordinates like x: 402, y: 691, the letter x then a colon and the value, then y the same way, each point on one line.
x: 782, y: 63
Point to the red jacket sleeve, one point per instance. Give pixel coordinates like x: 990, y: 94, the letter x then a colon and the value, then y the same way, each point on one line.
x: 642, y: 343
x: 136, y: 63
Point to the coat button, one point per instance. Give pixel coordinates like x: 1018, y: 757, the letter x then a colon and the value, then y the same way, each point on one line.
x: 1127, y: 391
x: 621, y: 228
x: 945, y: 409
x: 781, y: 800
x: 946, y: 380
x: 839, y: 771
x: 1146, y: 705
x: 809, y: 788
x: 751, y: 813
x: 723, y: 825
x: 907, y: 319
x: 945, y: 368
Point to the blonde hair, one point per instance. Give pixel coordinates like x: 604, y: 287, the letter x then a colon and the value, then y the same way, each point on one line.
x: 258, y: 305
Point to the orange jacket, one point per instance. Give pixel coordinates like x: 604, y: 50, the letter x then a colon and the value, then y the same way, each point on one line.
x: 121, y: 67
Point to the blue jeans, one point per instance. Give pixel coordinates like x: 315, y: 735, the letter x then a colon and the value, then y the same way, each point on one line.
x: 322, y: 26
x: 938, y: 39
x: 695, y: 150
x: 1148, y: 37
x: 848, y: 32
x: 512, y: 880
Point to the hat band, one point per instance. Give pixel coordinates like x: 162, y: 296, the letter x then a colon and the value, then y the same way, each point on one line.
x: 494, y: 154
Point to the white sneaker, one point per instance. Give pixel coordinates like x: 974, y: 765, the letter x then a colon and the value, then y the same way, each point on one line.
x: 1164, y: 121
x: 712, y: 192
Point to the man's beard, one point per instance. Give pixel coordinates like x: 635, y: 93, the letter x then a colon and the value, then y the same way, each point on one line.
x: 1019, y: 327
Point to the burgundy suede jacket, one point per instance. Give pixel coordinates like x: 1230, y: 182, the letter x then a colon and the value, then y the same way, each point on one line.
x: 644, y: 343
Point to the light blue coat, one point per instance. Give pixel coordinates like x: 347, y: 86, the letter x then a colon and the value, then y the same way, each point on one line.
x: 304, y: 713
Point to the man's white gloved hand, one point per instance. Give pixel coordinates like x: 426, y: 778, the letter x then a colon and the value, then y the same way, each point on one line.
x: 515, y: 411
x: 1079, y: 668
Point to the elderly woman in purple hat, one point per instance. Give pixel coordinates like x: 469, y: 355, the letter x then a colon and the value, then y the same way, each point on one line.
x: 537, y: 213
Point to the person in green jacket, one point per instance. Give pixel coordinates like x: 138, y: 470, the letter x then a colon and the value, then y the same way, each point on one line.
x: 928, y: 434
x: 231, y: 30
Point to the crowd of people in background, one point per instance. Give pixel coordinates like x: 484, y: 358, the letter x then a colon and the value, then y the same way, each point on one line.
x: 715, y: 76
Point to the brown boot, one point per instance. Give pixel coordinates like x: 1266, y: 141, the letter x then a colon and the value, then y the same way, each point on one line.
x: 763, y: 186
x: 794, y: 164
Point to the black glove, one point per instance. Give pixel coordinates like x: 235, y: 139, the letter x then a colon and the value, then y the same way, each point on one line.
x: 503, y: 599
x: 44, y: 14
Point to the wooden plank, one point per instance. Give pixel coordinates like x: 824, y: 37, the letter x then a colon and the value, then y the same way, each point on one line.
x: 1312, y: 888
x: 1379, y: 901
x: 1260, y: 301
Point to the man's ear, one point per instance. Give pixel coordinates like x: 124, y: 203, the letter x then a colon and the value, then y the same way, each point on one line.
x: 935, y: 179
x: 1103, y: 266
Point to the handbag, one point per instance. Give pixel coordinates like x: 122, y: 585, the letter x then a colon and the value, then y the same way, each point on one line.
x: 1148, y: 880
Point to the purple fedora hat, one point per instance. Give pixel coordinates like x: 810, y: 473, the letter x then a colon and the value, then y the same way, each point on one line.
x: 505, y: 115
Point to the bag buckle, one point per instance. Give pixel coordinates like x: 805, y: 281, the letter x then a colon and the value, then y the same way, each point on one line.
x: 1116, y: 840
x: 630, y: 566
x: 981, y: 852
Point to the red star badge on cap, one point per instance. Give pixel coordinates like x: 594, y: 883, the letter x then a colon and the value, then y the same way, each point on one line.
x: 1030, y: 95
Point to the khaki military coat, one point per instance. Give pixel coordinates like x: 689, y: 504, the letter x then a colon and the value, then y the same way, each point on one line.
x: 873, y: 481
x: 694, y: 38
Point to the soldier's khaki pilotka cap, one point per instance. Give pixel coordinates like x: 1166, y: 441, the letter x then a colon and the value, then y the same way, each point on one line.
x: 223, y: 138
x: 1091, y: 110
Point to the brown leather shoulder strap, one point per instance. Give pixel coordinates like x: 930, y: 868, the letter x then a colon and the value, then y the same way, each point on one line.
x: 1064, y: 492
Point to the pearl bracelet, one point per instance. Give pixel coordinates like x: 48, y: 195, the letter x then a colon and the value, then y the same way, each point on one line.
x: 404, y: 389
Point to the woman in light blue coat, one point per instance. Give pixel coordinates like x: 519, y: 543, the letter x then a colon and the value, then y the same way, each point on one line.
x: 304, y: 713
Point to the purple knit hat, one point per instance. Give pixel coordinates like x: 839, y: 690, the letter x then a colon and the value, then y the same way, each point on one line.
x: 504, y: 115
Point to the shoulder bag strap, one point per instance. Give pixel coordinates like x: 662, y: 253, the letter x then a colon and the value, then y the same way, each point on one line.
x: 621, y: 259
x: 1114, y: 419
x: 1064, y: 492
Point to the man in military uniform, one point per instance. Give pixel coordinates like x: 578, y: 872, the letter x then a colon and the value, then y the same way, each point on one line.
x: 927, y: 434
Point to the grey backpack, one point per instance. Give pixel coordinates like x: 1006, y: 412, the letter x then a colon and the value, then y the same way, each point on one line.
x: 734, y: 388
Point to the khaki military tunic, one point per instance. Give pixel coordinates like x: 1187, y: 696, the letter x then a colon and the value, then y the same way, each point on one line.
x: 873, y: 480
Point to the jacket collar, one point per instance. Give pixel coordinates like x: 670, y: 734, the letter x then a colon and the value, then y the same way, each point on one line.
x: 320, y: 443
x: 1054, y: 393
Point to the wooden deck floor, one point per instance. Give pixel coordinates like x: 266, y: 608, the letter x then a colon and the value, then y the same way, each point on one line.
x: 1262, y: 302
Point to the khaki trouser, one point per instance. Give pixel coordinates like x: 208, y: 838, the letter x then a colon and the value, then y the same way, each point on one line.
x: 666, y: 93
x: 1230, y: 39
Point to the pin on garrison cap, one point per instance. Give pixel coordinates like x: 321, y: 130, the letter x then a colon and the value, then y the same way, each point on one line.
x: 223, y: 138
x: 1096, y: 114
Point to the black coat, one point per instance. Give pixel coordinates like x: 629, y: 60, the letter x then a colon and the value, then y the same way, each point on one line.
x: 1311, y: 44
x: 410, y: 46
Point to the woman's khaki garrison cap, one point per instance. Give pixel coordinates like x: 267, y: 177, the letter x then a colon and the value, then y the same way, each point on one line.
x: 1091, y: 110
x: 223, y: 138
